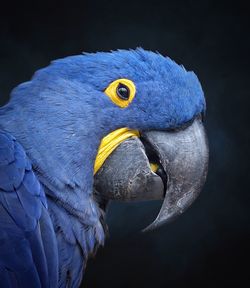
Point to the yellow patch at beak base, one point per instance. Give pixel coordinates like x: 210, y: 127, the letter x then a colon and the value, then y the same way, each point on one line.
x: 110, y: 142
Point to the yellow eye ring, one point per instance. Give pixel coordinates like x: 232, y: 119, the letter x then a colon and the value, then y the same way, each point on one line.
x: 121, y: 92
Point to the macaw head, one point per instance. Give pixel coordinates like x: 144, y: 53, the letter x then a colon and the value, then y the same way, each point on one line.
x: 138, y: 89
x: 70, y: 106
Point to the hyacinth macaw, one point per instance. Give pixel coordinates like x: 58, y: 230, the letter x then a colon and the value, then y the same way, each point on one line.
x: 56, y: 178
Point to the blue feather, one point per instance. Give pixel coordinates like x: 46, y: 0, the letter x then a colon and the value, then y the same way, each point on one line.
x: 23, y: 260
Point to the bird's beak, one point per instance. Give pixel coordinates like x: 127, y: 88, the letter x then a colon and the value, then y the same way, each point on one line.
x: 169, y: 165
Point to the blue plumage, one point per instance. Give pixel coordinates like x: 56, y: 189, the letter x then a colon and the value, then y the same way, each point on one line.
x: 58, y: 119
x: 23, y: 261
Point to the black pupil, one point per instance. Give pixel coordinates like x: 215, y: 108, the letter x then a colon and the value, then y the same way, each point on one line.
x: 123, y: 91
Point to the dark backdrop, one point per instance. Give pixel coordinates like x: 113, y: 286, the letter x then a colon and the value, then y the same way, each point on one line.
x: 209, y: 245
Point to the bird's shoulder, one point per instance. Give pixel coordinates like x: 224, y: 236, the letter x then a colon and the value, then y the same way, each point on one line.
x: 25, y: 223
x: 21, y: 194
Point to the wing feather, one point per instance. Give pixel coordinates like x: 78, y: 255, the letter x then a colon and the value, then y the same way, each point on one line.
x: 28, y: 248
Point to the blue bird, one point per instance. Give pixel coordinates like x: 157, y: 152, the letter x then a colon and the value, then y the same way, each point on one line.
x: 85, y: 130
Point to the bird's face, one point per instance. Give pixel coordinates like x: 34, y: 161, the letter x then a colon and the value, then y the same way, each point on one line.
x: 151, y: 94
x: 87, y: 97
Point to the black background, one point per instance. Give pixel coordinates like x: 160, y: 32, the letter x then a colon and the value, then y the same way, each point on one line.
x: 209, y: 245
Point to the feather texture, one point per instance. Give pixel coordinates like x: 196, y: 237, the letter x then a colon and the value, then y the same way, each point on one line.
x: 24, y: 260
x: 41, y: 243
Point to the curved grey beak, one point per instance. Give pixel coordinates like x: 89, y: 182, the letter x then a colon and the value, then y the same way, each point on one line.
x: 182, y: 158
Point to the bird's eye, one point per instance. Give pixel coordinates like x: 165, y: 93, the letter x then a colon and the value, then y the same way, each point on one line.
x: 121, y: 92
